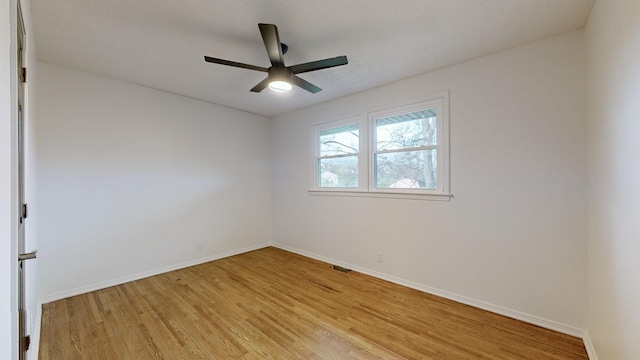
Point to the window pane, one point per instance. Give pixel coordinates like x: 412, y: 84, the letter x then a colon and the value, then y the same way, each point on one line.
x: 407, y: 169
x: 338, y: 172
x: 408, y: 130
x: 340, y: 140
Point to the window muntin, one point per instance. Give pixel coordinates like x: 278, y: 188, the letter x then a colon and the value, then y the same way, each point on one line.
x: 337, y: 163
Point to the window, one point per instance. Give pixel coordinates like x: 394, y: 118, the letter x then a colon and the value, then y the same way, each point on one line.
x: 337, y: 155
x: 399, y: 152
x: 408, y: 153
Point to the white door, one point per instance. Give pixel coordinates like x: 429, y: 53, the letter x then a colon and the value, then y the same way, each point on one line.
x: 23, y: 338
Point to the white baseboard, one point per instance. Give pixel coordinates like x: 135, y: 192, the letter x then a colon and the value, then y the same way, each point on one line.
x: 591, y: 351
x: 142, y: 275
x: 535, y: 320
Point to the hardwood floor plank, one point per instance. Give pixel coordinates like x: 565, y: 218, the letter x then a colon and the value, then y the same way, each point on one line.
x: 272, y: 304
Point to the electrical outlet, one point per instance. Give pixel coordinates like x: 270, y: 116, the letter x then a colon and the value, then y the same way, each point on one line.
x: 199, y: 247
x: 380, y: 256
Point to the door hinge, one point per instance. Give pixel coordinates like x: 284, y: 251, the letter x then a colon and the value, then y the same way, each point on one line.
x: 27, y: 342
x: 23, y: 75
x: 24, y: 212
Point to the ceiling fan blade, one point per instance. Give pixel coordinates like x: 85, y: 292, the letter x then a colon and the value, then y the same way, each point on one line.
x: 233, y: 63
x: 304, y: 84
x: 272, y: 44
x: 261, y: 85
x: 319, y: 64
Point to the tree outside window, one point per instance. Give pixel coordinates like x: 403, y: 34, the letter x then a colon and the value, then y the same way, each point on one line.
x: 406, y: 153
x: 338, y: 161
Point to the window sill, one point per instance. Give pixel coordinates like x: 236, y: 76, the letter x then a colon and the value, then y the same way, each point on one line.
x: 379, y: 194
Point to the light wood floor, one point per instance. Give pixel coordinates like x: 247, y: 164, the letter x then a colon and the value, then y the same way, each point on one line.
x: 272, y: 304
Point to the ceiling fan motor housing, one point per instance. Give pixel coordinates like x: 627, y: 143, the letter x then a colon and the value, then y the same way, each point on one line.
x: 280, y: 74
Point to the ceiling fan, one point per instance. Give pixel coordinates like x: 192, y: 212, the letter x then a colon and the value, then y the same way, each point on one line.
x: 281, y: 77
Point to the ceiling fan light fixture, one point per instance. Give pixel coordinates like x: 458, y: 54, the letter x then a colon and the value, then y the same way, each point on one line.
x: 281, y: 78
x: 280, y: 86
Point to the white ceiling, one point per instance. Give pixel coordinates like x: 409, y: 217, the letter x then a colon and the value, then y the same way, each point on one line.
x: 161, y: 43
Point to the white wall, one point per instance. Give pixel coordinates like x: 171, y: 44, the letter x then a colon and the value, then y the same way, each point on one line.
x: 514, y: 236
x: 8, y: 211
x: 131, y: 179
x: 613, y: 38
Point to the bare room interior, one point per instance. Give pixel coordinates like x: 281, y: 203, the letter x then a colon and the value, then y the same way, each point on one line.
x: 320, y: 180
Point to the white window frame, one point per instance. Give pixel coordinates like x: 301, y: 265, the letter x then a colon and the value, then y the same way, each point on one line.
x: 441, y: 147
x: 367, y: 132
x: 362, y: 160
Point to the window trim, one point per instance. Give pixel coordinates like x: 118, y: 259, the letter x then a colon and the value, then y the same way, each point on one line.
x: 366, y: 130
